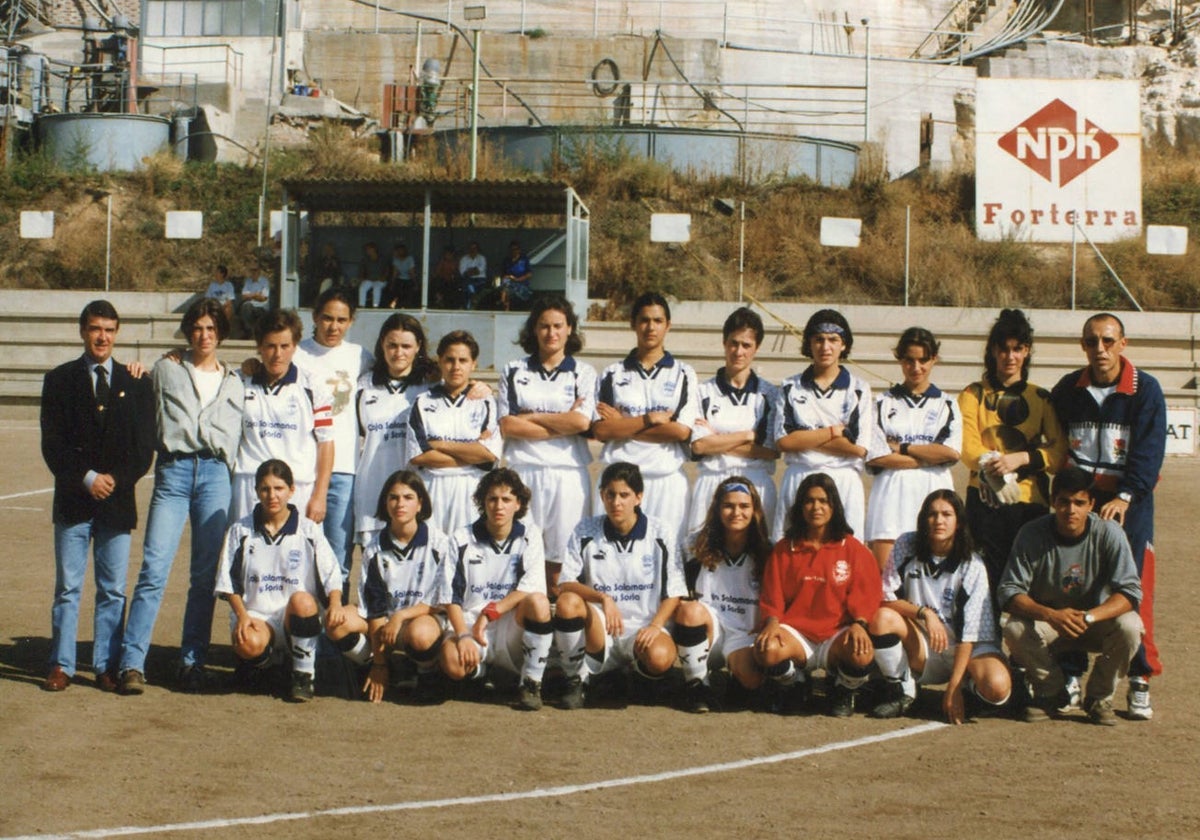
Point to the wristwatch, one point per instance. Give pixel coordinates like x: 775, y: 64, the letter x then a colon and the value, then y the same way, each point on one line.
x: 1089, y: 619
x: 1125, y: 497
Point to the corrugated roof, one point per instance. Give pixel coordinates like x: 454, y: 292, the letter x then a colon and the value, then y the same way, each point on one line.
x: 396, y: 195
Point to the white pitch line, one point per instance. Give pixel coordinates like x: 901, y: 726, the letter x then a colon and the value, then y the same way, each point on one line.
x: 26, y: 493
x: 19, y: 507
x: 538, y: 793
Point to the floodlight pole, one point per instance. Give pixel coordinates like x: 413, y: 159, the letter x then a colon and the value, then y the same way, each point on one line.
x: 907, y: 243
x: 262, y: 196
x: 1074, y: 255
x: 475, y: 110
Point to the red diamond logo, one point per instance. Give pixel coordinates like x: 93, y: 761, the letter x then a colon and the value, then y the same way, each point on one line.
x: 1058, y: 143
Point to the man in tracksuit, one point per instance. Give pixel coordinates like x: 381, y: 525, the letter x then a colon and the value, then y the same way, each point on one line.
x: 1115, y: 418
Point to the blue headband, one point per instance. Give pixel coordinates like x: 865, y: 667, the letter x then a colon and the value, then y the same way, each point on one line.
x: 735, y: 487
x: 827, y: 327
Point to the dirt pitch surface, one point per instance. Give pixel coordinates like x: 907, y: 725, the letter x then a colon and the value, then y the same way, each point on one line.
x: 169, y: 764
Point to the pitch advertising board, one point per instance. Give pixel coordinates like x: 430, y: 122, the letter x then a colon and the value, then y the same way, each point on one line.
x: 1053, y: 153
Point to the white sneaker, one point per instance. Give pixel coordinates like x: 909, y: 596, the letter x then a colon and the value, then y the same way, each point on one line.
x: 1138, y: 699
x: 1074, y: 691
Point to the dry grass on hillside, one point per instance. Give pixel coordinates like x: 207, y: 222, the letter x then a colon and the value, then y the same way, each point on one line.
x: 783, y: 257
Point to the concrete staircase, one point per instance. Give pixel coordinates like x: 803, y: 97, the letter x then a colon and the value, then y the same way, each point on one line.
x: 35, y: 340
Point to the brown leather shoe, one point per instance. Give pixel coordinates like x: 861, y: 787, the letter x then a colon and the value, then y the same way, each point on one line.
x: 108, y: 682
x: 56, y: 680
x: 133, y: 683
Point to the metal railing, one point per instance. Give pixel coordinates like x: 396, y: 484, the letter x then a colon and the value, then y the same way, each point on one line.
x: 164, y: 58
x: 768, y: 108
x: 777, y: 28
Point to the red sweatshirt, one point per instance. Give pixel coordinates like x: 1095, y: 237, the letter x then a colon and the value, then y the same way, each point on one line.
x: 818, y: 591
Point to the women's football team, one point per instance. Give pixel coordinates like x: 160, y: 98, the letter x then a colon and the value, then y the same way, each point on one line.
x: 469, y: 568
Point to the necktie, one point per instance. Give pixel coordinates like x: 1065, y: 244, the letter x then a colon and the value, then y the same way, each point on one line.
x: 103, y: 391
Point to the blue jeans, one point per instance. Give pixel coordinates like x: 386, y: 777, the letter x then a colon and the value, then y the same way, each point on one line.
x: 188, y: 488
x: 110, y: 554
x: 339, y: 521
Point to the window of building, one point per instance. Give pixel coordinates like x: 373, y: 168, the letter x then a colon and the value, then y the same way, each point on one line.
x: 192, y: 18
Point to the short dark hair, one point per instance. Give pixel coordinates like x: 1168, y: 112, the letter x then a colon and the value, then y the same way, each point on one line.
x: 648, y: 299
x: 99, y: 309
x: 274, y: 467
x: 1106, y: 316
x: 797, y: 528
x: 409, y: 478
x: 623, y: 471
x: 1009, y: 324
x: 743, y: 318
x: 502, y: 477
x: 223, y: 271
x: 822, y: 318
x: 551, y: 303
x: 917, y: 337
x: 335, y: 293
x: 459, y: 337
x: 1070, y: 480
x: 278, y: 320
x: 211, y: 308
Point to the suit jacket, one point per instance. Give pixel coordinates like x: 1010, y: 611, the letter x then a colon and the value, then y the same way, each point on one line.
x: 75, y: 439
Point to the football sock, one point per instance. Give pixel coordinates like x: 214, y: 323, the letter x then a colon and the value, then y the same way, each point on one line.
x: 692, y: 645
x: 568, y: 636
x: 535, y: 644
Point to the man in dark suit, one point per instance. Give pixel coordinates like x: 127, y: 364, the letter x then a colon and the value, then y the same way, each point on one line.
x: 98, y: 440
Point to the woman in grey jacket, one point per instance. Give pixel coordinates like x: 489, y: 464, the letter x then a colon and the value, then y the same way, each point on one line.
x: 199, y: 414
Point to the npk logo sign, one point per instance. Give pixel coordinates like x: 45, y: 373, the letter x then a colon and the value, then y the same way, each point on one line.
x: 1050, y: 155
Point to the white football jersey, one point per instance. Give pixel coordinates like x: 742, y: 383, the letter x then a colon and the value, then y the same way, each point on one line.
x: 631, y: 389
x: 637, y: 570
x: 383, y: 407
x: 527, y: 387
x: 486, y: 571
x: 732, y: 591
x: 729, y: 409
x: 266, y: 571
x: 960, y: 596
x: 286, y: 421
x: 802, y: 405
x: 931, y: 417
x: 436, y: 415
x: 398, y: 576
x: 336, y: 371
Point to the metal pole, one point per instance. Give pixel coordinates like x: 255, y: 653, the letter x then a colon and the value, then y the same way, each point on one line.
x: 448, y: 15
x: 475, y: 110
x: 595, y: 17
x: 866, y: 22
x: 425, y: 251
x: 1074, y: 257
x: 376, y: 17
x: 907, y: 243
x: 724, y: 24
x: 522, y: 28
x: 108, y: 246
x: 262, y: 196
x: 742, y: 253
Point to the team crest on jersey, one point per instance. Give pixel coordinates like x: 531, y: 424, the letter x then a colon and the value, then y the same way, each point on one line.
x: 1118, y: 449
x: 669, y: 387
x: 648, y: 563
x: 841, y: 572
x: 1072, y: 581
x: 294, y: 558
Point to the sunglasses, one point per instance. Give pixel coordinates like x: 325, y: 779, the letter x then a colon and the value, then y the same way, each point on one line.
x: 1095, y: 341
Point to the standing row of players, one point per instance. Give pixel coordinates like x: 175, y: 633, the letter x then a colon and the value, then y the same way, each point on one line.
x: 647, y: 409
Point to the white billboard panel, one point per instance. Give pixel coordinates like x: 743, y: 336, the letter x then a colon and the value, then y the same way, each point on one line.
x: 670, y: 227
x: 1052, y: 153
x: 185, y: 224
x: 1170, y: 240
x: 1181, y: 428
x: 837, y: 232
x: 37, y: 224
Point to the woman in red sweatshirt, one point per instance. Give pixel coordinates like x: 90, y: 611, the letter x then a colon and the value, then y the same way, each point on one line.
x: 819, y: 589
